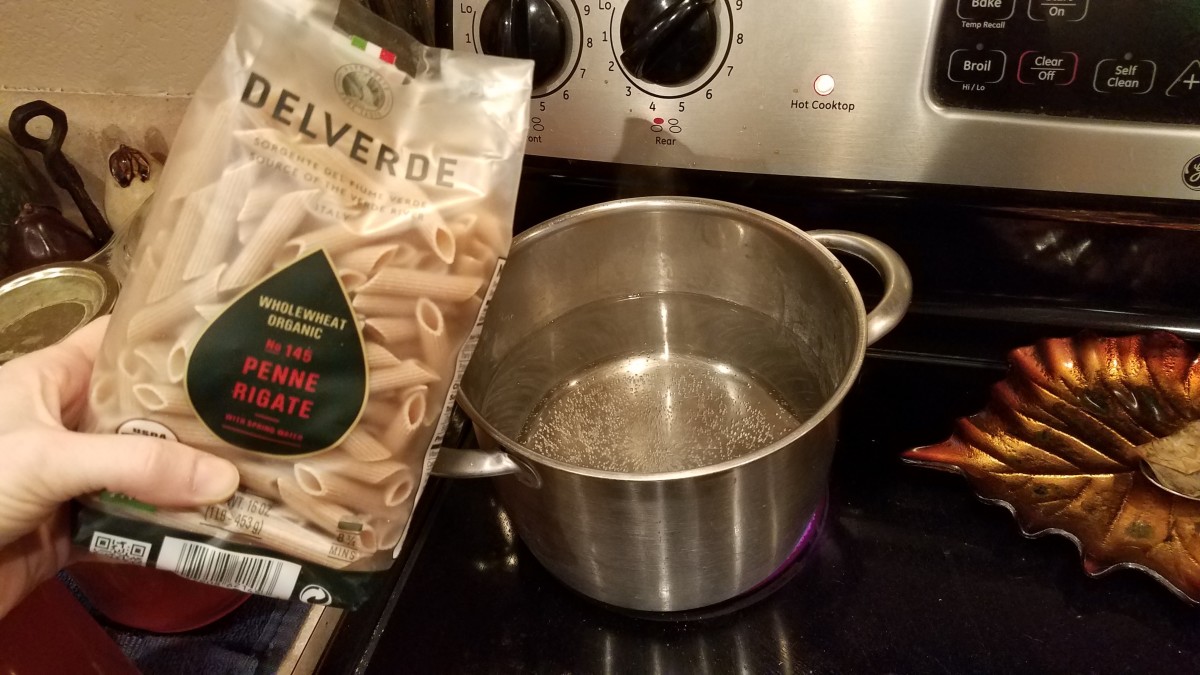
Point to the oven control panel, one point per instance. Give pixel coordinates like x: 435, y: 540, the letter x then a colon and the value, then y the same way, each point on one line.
x: 1132, y: 60
x: 1091, y: 96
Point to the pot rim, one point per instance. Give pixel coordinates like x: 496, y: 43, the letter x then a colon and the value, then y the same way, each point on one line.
x: 738, y: 212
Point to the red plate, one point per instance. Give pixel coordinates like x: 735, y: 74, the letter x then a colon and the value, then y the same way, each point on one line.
x: 148, y: 599
x: 50, y: 633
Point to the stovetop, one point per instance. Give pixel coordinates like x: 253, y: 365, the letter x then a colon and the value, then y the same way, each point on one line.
x: 910, y: 573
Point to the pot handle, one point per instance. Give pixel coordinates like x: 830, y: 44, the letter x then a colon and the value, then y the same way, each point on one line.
x: 897, y: 281
x: 472, y: 463
x: 456, y: 462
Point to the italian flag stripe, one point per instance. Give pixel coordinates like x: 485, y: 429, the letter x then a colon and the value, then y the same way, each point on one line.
x: 373, y: 49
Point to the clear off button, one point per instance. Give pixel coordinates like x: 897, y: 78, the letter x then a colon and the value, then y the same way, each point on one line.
x: 975, y: 66
x: 1124, y: 76
x: 1047, y: 68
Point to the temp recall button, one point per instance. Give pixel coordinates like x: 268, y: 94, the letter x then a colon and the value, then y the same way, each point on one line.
x: 974, y: 66
x: 1124, y: 76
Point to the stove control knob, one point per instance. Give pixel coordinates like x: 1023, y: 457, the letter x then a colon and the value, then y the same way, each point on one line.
x: 526, y: 29
x: 668, y: 42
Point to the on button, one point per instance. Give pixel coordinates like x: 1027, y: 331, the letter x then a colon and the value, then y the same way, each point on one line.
x: 1117, y: 76
x: 977, y: 67
x: 1058, y: 10
x: 987, y: 10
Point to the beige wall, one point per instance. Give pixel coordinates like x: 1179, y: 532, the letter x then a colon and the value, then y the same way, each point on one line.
x: 121, y: 69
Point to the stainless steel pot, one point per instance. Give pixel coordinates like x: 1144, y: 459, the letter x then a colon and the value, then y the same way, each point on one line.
x: 656, y: 391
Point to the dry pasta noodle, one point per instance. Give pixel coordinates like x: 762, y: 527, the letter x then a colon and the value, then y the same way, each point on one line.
x: 410, y: 372
x: 259, y: 251
x: 391, y: 330
x: 384, y: 305
x: 431, y: 330
x: 343, y: 464
x: 379, y: 357
x: 340, y: 490
x: 417, y: 284
x: 311, y: 270
x: 409, y: 418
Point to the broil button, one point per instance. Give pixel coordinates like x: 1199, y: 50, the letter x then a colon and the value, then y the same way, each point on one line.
x: 975, y: 66
x: 1124, y: 76
x: 1047, y: 68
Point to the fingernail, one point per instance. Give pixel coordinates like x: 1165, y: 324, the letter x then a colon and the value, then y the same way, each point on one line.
x: 216, y: 479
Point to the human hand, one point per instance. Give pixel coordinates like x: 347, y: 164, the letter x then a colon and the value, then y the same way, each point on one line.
x: 44, y: 464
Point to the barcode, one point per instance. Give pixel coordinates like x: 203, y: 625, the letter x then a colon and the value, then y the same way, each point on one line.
x: 241, y: 571
x: 120, y: 548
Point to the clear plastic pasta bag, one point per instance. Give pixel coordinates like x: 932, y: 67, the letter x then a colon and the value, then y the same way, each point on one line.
x: 330, y: 222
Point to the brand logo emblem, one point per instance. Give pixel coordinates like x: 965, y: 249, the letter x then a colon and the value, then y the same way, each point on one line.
x: 1191, y: 173
x: 365, y: 91
x: 315, y: 595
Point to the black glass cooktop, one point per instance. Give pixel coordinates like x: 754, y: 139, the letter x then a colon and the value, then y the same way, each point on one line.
x: 909, y: 574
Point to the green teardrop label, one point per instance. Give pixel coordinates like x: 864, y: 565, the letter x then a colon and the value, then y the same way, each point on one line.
x: 282, y: 370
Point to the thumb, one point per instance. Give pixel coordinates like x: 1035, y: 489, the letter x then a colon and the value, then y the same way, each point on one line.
x: 150, y: 470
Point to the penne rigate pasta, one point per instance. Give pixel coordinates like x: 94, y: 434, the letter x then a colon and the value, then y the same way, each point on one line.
x: 440, y: 240
x: 409, y: 373
x: 155, y: 319
x: 220, y: 222
x: 431, y: 331
x: 338, y: 489
x: 391, y: 330
x: 189, y: 223
x: 260, y: 249
x: 310, y: 271
x: 409, y: 418
x: 380, y: 358
x: 364, y: 447
x: 343, y: 464
x: 325, y: 515
x: 162, y: 398
x: 420, y: 284
x: 385, y: 305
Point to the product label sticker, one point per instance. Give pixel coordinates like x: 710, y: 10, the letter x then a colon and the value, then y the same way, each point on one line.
x: 282, y: 370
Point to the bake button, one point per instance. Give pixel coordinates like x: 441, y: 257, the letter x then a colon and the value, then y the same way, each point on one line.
x: 1058, y: 10
x: 987, y: 10
x: 1047, y: 68
x: 1187, y: 85
x: 1124, y: 76
x: 977, y: 67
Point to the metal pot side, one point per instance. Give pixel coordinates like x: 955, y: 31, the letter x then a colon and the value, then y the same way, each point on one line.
x: 685, y: 539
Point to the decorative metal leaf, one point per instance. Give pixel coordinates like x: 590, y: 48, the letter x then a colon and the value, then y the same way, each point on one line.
x: 1057, y: 443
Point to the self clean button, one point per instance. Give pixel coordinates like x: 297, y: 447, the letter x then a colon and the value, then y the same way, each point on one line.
x: 1124, y: 76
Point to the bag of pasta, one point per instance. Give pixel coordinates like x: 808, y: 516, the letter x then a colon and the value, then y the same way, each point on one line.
x: 329, y: 224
